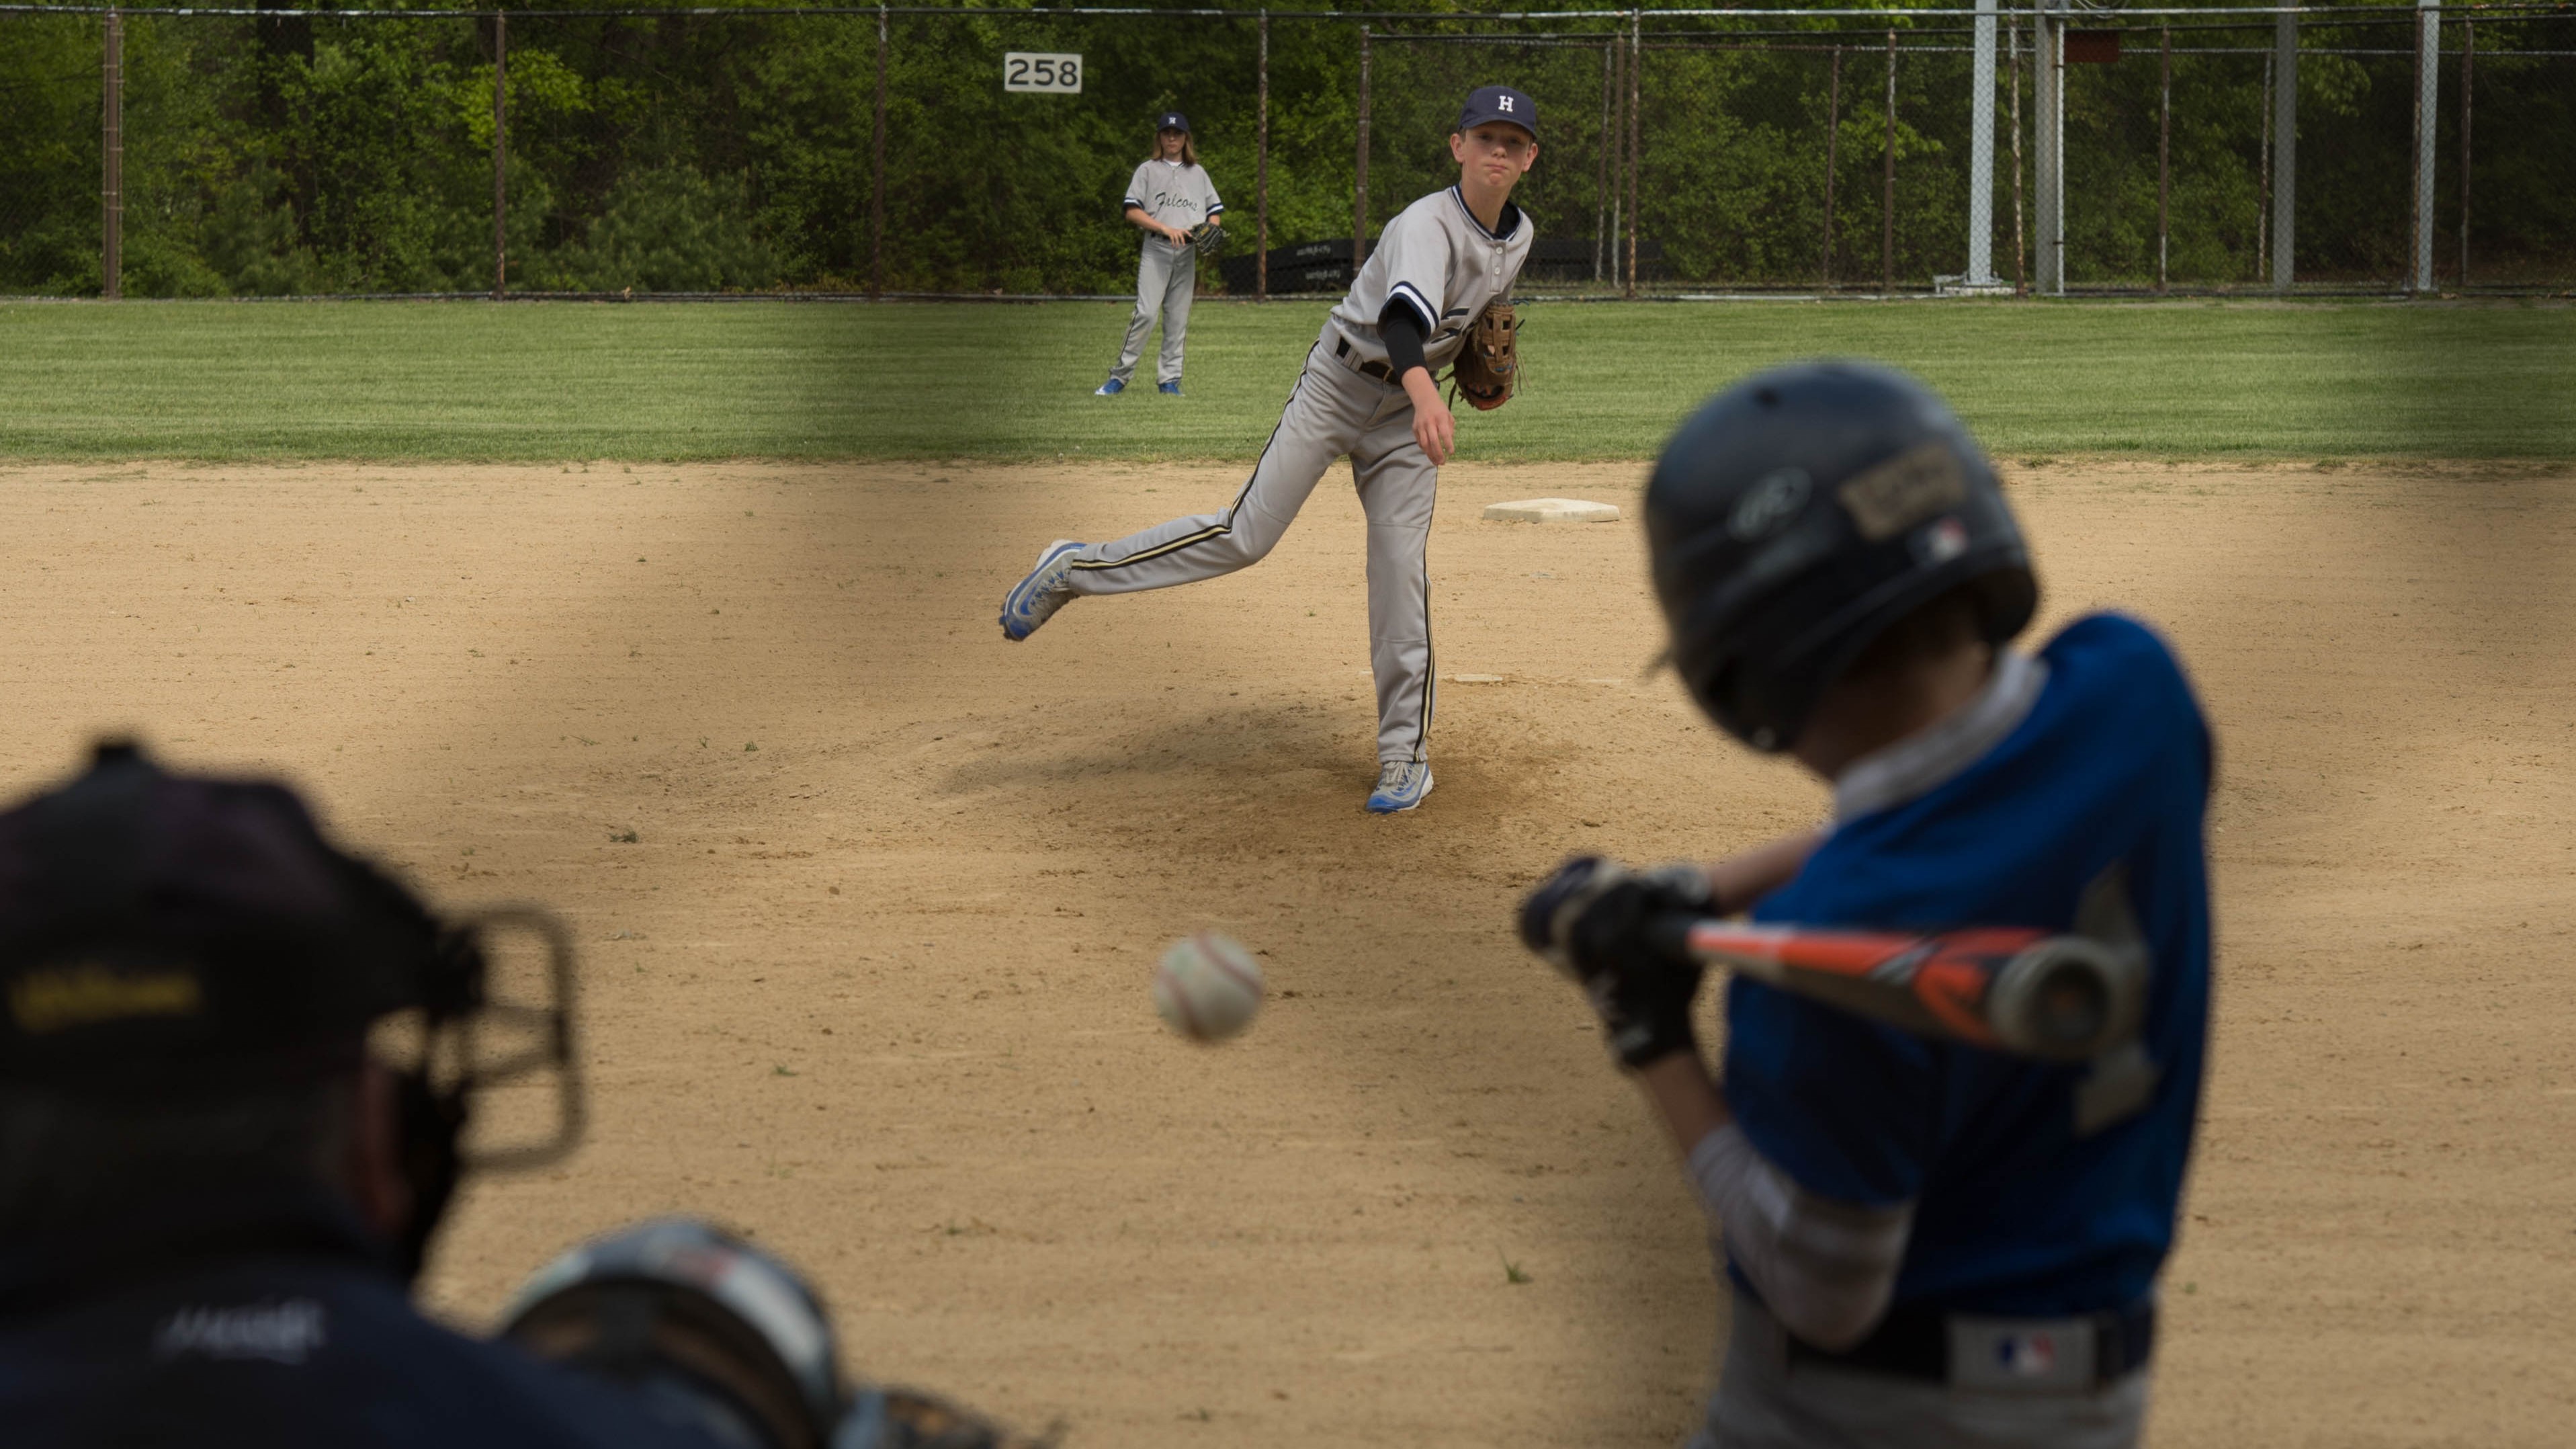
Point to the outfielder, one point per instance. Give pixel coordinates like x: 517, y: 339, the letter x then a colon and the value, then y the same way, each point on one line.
x: 1930, y: 1243
x: 1171, y: 197
x: 1367, y: 391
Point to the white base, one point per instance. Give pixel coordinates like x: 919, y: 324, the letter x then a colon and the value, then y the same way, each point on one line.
x: 1552, y: 510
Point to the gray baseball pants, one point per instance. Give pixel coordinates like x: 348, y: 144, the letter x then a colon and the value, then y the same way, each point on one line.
x: 1334, y: 411
x: 1167, y: 277
x: 1763, y: 1403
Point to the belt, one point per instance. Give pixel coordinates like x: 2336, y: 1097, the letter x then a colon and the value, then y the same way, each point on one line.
x: 1364, y: 367
x: 2084, y: 1351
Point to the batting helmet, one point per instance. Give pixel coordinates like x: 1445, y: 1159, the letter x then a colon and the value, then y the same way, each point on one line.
x: 1798, y: 514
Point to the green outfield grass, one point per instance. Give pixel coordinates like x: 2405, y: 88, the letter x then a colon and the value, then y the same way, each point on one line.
x: 469, y: 381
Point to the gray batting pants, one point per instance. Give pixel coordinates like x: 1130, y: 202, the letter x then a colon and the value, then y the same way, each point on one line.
x: 1167, y: 277
x: 1764, y: 1403
x: 1333, y: 412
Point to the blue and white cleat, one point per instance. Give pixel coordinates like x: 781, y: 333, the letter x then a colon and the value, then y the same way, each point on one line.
x: 1173, y: 387
x: 1400, y: 786
x: 1035, y: 599
x: 1111, y: 388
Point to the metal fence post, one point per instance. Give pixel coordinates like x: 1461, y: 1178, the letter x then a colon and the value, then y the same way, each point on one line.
x: 1359, y: 173
x: 500, y: 155
x: 2285, y: 148
x: 1601, y: 227
x: 1261, y: 185
x: 111, y: 145
x: 2263, y: 173
x: 2428, y: 100
x: 1981, y: 151
x: 1636, y: 133
x: 1833, y: 140
x: 1887, y: 188
x: 876, y: 164
x: 2468, y: 49
x: 2164, y: 156
x: 2021, y: 277
x: 2048, y: 136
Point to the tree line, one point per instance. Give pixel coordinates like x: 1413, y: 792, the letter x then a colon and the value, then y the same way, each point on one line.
x: 704, y: 153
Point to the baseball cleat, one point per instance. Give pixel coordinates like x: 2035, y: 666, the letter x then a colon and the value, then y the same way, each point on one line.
x: 1400, y: 786
x: 1111, y: 388
x: 1036, y: 598
x: 1173, y: 387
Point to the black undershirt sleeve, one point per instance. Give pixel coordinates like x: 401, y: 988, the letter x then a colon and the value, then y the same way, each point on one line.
x: 1401, y: 328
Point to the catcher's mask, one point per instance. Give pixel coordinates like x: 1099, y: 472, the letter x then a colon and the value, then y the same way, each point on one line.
x: 165, y: 935
x: 1798, y: 514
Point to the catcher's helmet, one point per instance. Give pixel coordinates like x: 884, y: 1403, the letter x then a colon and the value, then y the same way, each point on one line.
x: 712, y: 1330
x: 171, y: 930
x: 1798, y: 514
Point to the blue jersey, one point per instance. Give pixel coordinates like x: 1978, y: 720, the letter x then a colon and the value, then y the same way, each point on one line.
x: 2016, y: 1211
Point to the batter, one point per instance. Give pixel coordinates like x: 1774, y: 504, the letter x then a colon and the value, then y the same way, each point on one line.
x: 1366, y: 392
x: 1932, y: 1245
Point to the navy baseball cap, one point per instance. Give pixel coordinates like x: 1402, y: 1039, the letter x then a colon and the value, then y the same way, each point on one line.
x: 158, y: 929
x: 1172, y: 121
x: 1499, y: 103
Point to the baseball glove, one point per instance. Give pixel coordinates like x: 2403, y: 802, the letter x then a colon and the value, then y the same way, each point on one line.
x: 1489, y: 365
x: 1208, y: 238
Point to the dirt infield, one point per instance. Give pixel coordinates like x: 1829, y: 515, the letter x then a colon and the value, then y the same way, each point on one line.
x: 870, y: 978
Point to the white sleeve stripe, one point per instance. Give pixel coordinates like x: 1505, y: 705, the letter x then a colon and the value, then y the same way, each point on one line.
x: 1411, y: 296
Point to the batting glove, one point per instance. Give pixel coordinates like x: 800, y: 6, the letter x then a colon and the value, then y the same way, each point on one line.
x: 1592, y: 921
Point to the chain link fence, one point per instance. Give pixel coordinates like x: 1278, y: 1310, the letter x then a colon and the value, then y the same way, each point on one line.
x: 876, y: 151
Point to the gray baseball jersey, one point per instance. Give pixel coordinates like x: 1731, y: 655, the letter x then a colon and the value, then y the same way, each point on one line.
x: 1437, y: 259
x: 1173, y: 194
x: 1166, y: 275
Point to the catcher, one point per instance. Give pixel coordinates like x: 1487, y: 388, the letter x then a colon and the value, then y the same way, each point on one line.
x: 237, y: 1071
x: 1433, y: 292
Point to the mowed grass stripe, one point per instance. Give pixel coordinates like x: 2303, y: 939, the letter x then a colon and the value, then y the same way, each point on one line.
x: 469, y: 382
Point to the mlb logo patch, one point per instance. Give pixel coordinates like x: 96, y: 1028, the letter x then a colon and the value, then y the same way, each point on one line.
x: 2021, y: 1355
x: 2026, y: 1355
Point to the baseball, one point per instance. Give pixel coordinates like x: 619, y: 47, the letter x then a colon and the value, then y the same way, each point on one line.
x: 1208, y: 987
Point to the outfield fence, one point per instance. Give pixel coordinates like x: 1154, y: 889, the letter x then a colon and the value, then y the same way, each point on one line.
x: 2048, y: 148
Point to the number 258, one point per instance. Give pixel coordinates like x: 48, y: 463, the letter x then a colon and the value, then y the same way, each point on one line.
x: 1045, y: 72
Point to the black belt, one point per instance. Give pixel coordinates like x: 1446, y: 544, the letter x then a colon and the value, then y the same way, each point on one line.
x: 1365, y: 368
x: 1914, y: 1343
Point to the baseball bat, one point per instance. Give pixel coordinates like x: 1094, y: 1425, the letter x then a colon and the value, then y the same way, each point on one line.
x: 2056, y: 997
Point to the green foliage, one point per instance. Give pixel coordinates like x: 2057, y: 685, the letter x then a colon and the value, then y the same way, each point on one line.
x: 714, y: 150
x: 250, y: 239
x: 669, y: 229
x: 588, y: 380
